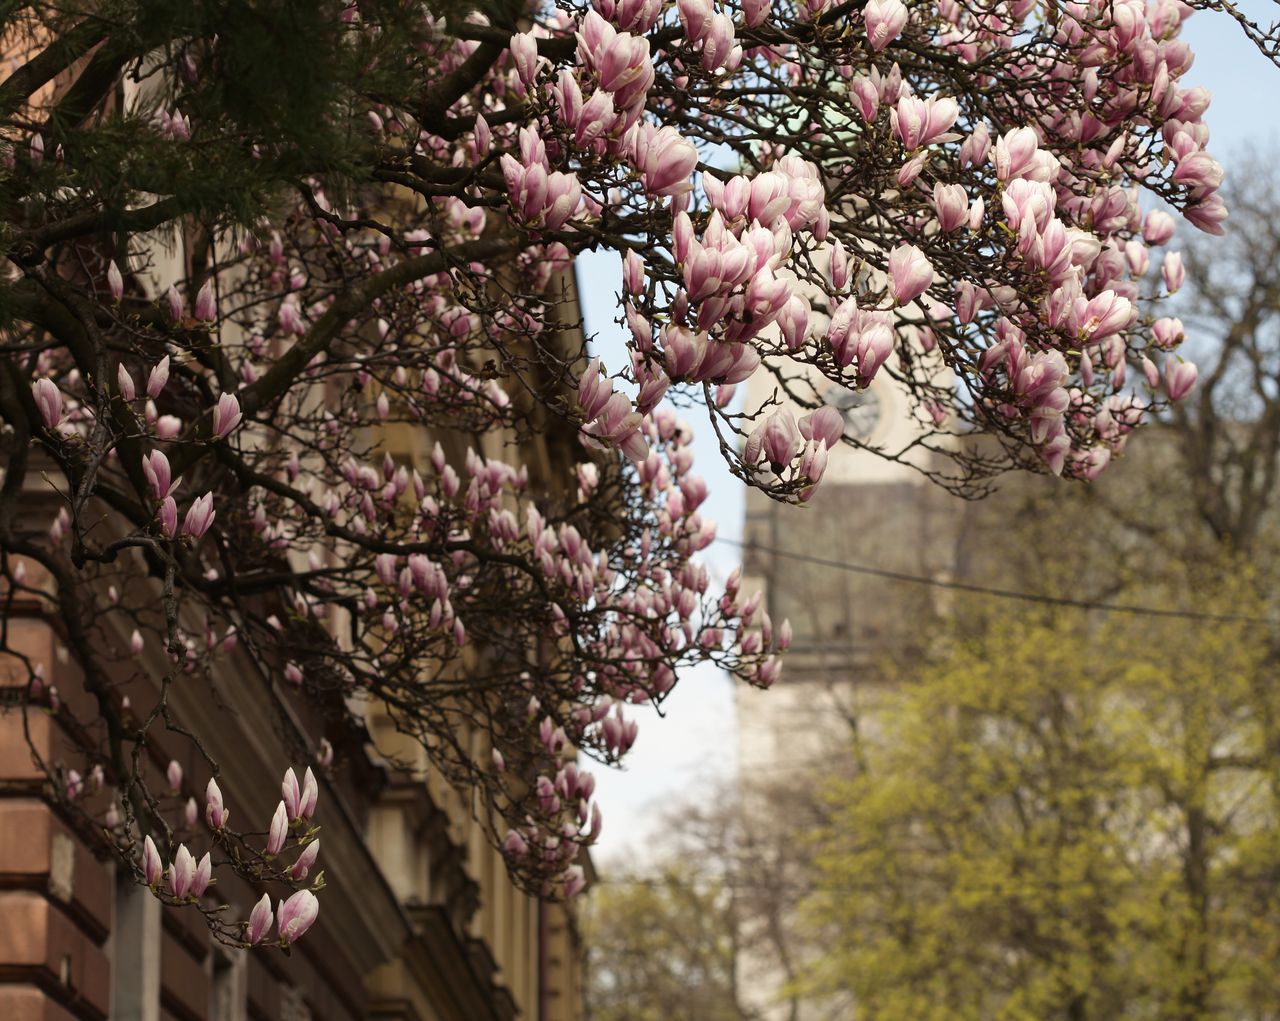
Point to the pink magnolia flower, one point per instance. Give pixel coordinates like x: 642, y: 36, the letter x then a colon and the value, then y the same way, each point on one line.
x: 49, y: 400
x: 781, y: 440
x: 215, y: 813
x: 1179, y: 378
x: 173, y: 301
x: 279, y: 830
x: 515, y: 845
x: 199, y: 516
x: 1032, y: 201
x: 632, y: 273
x: 483, y: 136
x: 1207, y: 214
x: 590, y: 120
x: 1014, y: 153
x: 839, y: 266
x: 152, y: 868
x: 174, y: 775
x: 793, y: 320
x: 631, y: 15
x: 665, y: 160
x: 158, y: 378
x: 918, y: 122
x: 206, y: 306
x: 824, y: 424
x: 813, y: 461
x: 296, y: 915
x: 168, y: 427
x: 564, y: 193
x: 226, y: 415
x: 124, y: 382
x: 306, y: 861
x: 594, y: 389
x: 885, y: 20
x: 1137, y: 256
x: 167, y: 515
x: 1103, y: 315
x: 575, y: 881
x: 1167, y: 332
x: 974, y: 149
x: 524, y: 55
x: 1055, y: 452
x: 291, y: 793
x: 872, y: 344
x: 182, y: 872
x: 976, y: 212
x: 1198, y: 170
x: 259, y: 921
x: 619, y: 60
x: 155, y: 466
x: 683, y: 350
x: 1158, y: 227
x: 618, y: 425
x: 695, y: 15
x: 719, y: 49
x: 115, y: 282
x: 1173, y: 271
x: 785, y: 635
x: 538, y: 196
x: 910, y: 273
x: 865, y: 96
x: 203, y: 873
x: 291, y: 320
x: 951, y: 205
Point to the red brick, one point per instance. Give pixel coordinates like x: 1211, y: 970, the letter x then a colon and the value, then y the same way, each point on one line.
x: 34, y: 638
x: 26, y: 830
x: 16, y: 762
x: 27, y: 1003
x: 36, y: 937
x: 29, y: 836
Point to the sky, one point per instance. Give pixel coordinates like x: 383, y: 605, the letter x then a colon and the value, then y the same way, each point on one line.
x: 691, y: 751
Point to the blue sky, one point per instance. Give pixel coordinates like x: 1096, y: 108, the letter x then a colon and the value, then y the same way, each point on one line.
x: 693, y: 748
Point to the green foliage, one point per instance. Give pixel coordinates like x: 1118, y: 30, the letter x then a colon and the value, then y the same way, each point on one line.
x: 663, y: 950
x: 1070, y: 815
x: 275, y: 94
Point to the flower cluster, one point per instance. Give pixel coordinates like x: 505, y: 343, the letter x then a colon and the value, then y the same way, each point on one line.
x: 358, y: 448
x: 186, y: 880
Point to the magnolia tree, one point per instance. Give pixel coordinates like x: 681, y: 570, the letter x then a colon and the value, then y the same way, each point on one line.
x: 245, y: 246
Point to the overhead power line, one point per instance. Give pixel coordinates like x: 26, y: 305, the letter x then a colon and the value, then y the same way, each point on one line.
x: 998, y: 593
x: 1011, y: 885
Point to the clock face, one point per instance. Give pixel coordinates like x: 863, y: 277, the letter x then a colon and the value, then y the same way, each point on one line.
x: 860, y: 410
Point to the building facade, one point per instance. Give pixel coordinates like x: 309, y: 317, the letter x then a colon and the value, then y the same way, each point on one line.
x: 419, y: 919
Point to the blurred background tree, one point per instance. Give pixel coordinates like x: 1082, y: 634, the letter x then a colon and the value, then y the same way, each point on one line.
x: 1047, y: 833
x: 1073, y: 813
x: 673, y: 943
x: 664, y: 949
